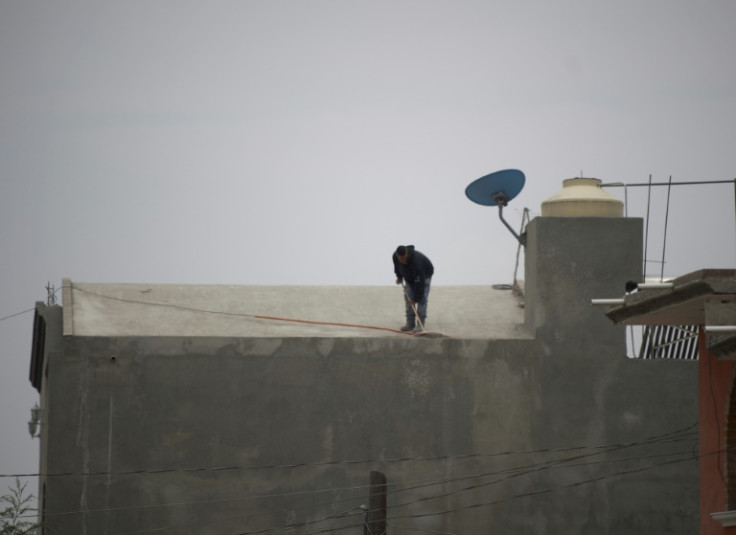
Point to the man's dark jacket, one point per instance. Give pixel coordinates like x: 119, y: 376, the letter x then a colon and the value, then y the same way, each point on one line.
x: 416, y: 270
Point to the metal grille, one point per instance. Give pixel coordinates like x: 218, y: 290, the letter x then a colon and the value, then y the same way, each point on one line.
x: 669, y: 342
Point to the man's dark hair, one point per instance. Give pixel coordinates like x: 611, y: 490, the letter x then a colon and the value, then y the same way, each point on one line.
x: 400, y: 250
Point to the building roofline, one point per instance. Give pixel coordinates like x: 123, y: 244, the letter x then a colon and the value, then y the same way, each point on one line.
x: 680, y: 304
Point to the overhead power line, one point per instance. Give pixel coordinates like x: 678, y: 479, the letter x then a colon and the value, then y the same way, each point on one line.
x: 509, y: 473
x: 298, y: 527
x: 648, y: 440
x: 17, y: 314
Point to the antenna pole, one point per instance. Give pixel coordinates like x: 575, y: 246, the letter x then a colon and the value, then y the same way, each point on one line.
x: 50, y: 294
x: 664, y: 241
x: 646, y: 234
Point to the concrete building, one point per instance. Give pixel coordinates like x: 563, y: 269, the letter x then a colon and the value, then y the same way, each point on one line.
x: 171, y: 409
x: 706, y: 299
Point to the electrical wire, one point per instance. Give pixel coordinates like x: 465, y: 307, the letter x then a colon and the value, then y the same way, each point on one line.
x: 466, y: 456
x: 514, y: 472
x: 555, y: 463
x: 486, y: 503
x: 297, y: 526
x: 717, y: 425
x: 543, y: 491
x: 28, y: 310
x: 686, y: 453
x: 17, y: 314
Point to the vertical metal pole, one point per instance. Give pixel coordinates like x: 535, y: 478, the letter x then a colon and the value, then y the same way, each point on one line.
x: 666, y: 218
x: 524, y: 220
x: 376, y: 515
x: 646, y: 234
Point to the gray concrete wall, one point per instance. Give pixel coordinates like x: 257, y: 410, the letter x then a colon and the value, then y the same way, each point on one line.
x: 225, y: 435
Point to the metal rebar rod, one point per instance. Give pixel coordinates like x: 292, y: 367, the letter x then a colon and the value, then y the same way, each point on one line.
x: 664, y: 240
x: 646, y: 235
x: 687, y: 183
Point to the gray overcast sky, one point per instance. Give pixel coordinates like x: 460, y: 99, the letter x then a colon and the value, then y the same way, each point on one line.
x: 273, y: 142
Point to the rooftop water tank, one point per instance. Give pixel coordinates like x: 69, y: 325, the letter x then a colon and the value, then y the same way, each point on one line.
x: 582, y: 197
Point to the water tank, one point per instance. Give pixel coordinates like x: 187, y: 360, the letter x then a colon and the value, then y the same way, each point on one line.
x: 582, y: 197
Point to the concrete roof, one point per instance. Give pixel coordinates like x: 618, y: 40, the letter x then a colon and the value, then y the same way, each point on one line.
x: 104, y: 309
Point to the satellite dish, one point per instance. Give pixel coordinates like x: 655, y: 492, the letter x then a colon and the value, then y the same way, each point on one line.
x: 497, y: 189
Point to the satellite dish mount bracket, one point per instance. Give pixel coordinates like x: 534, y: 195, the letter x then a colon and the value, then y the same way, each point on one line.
x: 503, y: 200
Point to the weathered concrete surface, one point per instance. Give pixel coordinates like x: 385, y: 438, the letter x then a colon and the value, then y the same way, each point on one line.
x: 310, y: 311
x: 548, y: 431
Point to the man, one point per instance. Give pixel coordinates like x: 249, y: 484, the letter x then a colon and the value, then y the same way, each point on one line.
x: 416, y: 270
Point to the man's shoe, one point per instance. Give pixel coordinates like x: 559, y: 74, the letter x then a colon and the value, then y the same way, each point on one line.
x: 407, y: 328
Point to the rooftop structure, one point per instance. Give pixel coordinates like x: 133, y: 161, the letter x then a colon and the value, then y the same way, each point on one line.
x: 283, y: 311
x: 226, y: 409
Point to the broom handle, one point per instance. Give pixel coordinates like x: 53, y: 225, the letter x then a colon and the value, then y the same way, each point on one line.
x: 413, y: 306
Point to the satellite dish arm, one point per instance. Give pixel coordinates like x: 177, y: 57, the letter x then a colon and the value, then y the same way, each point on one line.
x: 502, y: 200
